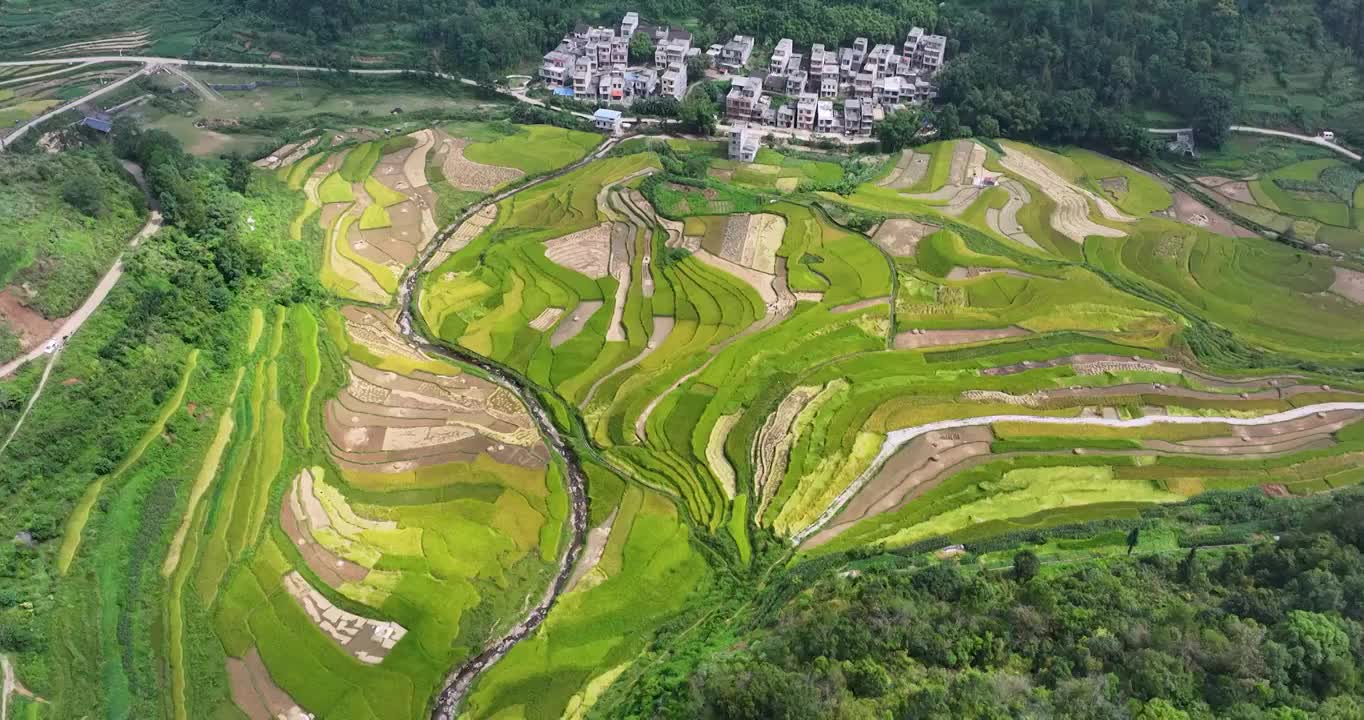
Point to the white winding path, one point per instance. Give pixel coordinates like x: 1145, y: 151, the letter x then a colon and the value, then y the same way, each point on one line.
x: 896, y: 439
x: 1315, y: 140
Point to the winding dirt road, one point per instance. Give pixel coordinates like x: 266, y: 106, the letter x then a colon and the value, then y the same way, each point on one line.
x: 75, y: 320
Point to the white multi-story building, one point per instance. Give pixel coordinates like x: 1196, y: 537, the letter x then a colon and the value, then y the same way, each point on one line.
x: 781, y: 57
x: 743, y: 143
x: 734, y: 55
x: 674, y: 81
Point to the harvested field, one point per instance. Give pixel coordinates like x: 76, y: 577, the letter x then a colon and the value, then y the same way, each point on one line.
x: 1238, y: 191
x: 909, y: 169
x: 593, y: 550
x: 715, y: 453
x: 761, y: 282
x: 385, y: 420
x: 465, y: 174
x: 772, y: 447
x: 962, y: 153
x: 752, y: 241
x: 256, y: 694
x: 1071, y: 217
x: 915, y: 339
x: 368, y: 640
x: 546, y: 319
x: 378, y: 333
x: 577, y: 320
x: 1190, y: 211
x: 1349, y: 284
x: 912, y: 470
x: 300, y: 515
x: 900, y: 236
x: 861, y: 305
x: 465, y: 233
x: 1005, y: 220
x: 586, y: 251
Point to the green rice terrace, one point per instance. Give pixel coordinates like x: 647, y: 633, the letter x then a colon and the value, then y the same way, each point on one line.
x: 513, y: 416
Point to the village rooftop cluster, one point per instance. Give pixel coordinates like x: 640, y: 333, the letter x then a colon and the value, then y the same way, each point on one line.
x: 843, y: 90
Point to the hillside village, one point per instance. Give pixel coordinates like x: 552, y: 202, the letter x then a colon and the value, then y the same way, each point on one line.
x: 834, y: 91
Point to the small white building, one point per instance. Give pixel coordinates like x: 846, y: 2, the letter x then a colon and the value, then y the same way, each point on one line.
x: 607, y: 120
x: 743, y: 144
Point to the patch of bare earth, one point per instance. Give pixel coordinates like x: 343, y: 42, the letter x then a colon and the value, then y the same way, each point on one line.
x: 1349, y: 284
x: 900, y: 236
x: 29, y: 326
x: 300, y: 515
x: 388, y: 422
x: 593, y: 549
x: 466, y: 174
x: 912, y: 470
x: 772, y: 447
x: 367, y: 639
x: 577, y: 320
x: 1005, y: 220
x: 909, y: 169
x: 914, y: 339
x: 715, y: 452
x: 1071, y: 216
x: 586, y: 251
x: 1190, y: 211
x: 255, y: 692
x: 861, y: 305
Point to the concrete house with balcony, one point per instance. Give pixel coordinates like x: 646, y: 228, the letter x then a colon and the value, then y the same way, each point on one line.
x: 629, y: 24
x: 673, y: 83
x: 781, y: 57
x: 671, y: 46
x: 807, y: 107
x: 743, y: 96
x: 743, y: 144
x: 734, y: 55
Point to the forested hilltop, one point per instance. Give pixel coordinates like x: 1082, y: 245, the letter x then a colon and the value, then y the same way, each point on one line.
x: 1249, y: 632
x: 1049, y: 70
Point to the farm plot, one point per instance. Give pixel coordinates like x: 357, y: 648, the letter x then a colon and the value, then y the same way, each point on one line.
x: 1072, y: 214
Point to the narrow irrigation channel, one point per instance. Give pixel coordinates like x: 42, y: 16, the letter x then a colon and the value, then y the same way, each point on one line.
x: 462, y: 677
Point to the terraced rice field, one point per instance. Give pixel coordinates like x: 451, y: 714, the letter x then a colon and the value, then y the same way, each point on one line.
x: 743, y: 381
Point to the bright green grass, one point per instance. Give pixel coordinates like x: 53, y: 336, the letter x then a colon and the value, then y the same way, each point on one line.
x: 1144, y: 194
x: 335, y: 189
x: 1269, y: 294
x: 375, y: 217
x: 535, y: 149
x: 382, y: 194
x: 80, y: 515
x: 649, y: 570
x: 360, y: 161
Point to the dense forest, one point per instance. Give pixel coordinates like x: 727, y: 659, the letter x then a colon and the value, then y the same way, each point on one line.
x: 1263, y: 630
x: 1051, y: 70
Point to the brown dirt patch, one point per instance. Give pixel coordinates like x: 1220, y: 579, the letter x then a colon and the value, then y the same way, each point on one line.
x: 466, y: 174
x: 1071, y: 216
x: 1190, y: 211
x: 1238, y: 191
x: 1275, y: 490
x: 298, y: 515
x: 861, y: 305
x: 900, y: 236
x: 914, y: 339
x: 915, y: 468
x: 576, y: 321
x: 29, y: 326
x: 586, y: 251
x: 255, y: 692
x: 593, y: 550
x: 367, y: 639
x: 465, y: 233
x: 909, y: 169
x: 1349, y: 284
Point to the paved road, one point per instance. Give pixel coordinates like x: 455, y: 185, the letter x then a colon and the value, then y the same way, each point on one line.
x: 896, y: 439
x: 74, y: 322
x: 1251, y: 130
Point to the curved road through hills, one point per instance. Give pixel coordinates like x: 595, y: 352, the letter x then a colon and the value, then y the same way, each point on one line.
x: 1315, y: 140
